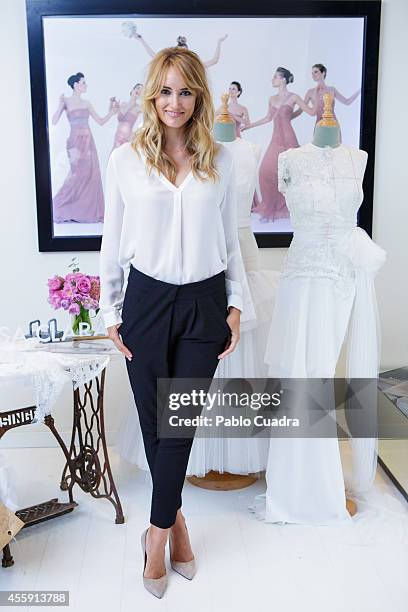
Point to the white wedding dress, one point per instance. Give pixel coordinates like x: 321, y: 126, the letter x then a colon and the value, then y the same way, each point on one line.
x: 238, y: 455
x: 326, y: 290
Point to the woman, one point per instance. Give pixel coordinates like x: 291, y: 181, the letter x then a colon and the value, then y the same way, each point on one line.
x: 80, y: 198
x: 127, y: 117
x: 315, y: 95
x: 238, y: 112
x: 131, y: 32
x: 170, y: 215
x: 272, y: 205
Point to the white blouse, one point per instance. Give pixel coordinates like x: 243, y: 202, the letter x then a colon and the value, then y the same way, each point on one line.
x: 175, y: 234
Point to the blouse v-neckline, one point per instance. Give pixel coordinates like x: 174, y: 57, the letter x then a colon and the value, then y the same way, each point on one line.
x: 171, y: 185
x: 166, y: 181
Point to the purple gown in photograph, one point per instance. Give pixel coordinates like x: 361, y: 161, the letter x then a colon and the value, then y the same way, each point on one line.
x: 80, y: 198
x: 272, y: 205
x: 124, y: 131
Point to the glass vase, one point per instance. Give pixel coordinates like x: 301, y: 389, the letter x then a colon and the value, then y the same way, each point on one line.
x: 82, y: 317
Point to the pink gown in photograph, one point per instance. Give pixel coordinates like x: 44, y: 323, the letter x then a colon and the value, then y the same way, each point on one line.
x: 272, y: 205
x: 80, y: 198
x: 124, y: 131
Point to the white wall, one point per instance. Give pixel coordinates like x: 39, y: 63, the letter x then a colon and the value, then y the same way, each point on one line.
x: 24, y: 271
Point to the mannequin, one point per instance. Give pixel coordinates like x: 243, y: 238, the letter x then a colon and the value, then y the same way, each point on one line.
x: 326, y: 294
x: 232, y: 456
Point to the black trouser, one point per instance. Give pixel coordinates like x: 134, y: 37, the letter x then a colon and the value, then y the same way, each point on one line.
x: 172, y: 331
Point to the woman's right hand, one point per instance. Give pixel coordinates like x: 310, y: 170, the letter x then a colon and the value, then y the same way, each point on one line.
x: 113, y: 334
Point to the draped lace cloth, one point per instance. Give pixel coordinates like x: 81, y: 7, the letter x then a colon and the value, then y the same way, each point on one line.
x: 326, y: 290
x: 47, y: 373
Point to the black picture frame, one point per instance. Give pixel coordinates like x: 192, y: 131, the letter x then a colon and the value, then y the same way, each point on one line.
x: 369, y: 10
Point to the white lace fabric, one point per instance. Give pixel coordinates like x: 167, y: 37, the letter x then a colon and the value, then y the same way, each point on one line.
x: 323, y: 192
x: 47, y: 373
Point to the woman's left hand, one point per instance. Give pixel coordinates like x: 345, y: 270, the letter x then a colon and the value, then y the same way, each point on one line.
x: 233, y: 321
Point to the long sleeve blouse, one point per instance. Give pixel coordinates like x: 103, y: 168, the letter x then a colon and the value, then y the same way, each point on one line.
x: 175, y: 234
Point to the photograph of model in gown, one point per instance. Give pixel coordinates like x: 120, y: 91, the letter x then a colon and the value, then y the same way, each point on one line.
x: 315, y: 94
x: 237, y: 111
x: 80, y: 198
x: 129, y: 29
x: 272, y: 205
x: 128, y: 114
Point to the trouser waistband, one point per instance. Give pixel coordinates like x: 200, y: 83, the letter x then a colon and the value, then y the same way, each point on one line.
x: 187, y: 290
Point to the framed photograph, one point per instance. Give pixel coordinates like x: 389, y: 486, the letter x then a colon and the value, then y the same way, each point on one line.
x: 88, y: 62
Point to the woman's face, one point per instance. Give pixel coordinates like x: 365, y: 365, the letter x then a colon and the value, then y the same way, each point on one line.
x: 81, y: 85
x: 136, y: 91
x: 233, y: 91
x: 317, y: 75
x: 176, y: 102
x: 277, y: 79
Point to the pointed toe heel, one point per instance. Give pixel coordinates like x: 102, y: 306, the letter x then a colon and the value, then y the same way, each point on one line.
x: 187, y: 569
x: 155, y: 586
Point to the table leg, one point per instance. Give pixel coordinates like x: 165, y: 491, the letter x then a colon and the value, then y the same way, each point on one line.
x: 87, y: 458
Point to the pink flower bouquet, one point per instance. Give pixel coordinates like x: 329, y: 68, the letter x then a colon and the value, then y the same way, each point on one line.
x: 77, y: 293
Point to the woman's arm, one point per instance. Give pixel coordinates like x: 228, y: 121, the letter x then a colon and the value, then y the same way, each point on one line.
x: 235, y: 272
x: 268, y: 117
x: 299, y: 111
x: 235, y: 276
x: 56, y: 116
x: 110, y: 271
x: 216, y: 57
x: 296, y: 113
x: 310, y: 110
x: 148, y: 49
x: 113, y: 109
x: 346, y: 101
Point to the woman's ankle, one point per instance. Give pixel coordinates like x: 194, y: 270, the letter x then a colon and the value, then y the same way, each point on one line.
x: 157, y: 535
x: 180, y: 520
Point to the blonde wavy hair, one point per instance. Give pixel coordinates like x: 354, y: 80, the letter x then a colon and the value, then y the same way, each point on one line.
x: 151, y: 137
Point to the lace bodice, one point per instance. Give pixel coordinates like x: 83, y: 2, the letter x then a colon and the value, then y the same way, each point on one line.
x: 323, y: 192
x: 322, y: 186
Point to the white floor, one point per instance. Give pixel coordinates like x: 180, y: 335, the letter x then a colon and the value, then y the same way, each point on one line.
x: 243, y: 563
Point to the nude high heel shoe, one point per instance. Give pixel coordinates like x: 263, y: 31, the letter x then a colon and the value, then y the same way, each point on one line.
x: 184, y: 568
x: 156, y: 586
